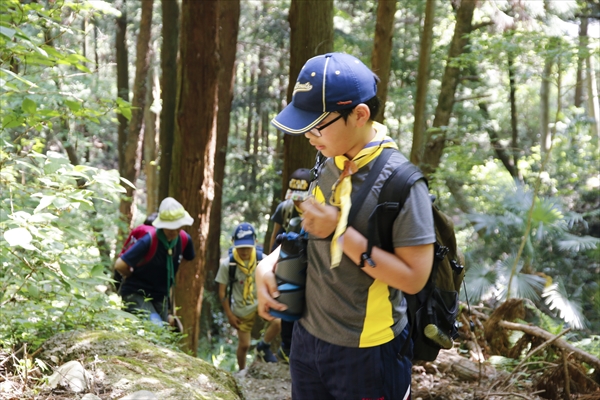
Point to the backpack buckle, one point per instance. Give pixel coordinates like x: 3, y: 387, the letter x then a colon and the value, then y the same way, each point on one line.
x: 441, y: 251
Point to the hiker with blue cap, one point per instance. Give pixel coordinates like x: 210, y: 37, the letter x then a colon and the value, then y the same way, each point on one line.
x: 237, y: 292
x: 149, y: 266
x: 347, y: 344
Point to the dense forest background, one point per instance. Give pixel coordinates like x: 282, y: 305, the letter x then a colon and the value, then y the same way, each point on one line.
x: 109, y: 106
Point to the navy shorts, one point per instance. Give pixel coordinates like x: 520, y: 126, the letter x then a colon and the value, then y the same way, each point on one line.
x: 321, y: 370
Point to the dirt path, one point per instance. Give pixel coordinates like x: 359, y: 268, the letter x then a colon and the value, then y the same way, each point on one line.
x: 272, y: 382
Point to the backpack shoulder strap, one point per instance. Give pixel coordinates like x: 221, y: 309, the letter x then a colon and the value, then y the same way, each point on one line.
x: 359, y: 198
x: 153, y: 246
x: 184, y: 239
x: 232, y: 268
x: 391, y: 199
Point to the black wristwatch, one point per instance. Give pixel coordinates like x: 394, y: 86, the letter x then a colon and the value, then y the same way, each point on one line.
x: 366, y: 257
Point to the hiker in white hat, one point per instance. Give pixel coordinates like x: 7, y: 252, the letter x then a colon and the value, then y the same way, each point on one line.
x: 149, y: 266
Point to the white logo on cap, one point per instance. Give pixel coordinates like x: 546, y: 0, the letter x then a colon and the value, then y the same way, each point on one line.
x: 242, y: 234
x: 302, y: 87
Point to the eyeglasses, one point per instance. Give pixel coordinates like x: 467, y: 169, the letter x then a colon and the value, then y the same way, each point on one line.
x: 317, y: 131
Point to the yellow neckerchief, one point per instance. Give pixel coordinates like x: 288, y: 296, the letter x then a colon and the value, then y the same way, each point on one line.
x: 248, y: 295
x: 342, y: 188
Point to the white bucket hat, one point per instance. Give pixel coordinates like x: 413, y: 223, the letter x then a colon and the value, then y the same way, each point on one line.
x: 172, y: 215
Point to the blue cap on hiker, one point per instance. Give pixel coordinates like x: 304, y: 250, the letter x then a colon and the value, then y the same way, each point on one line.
x: 298, y: 185
x: 244, y: 236
x: 172, y: 215
x: 326, y: 83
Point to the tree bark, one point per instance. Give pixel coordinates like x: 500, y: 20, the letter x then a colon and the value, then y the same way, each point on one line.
x: 132, y: 154
x: 501, y: 152
x: 514, y: 145
x: 581, y: 56
x: 381, y: 58
x: 545, y: 136
x: 594, y: 103
x: 416, y: 153
x: 436, y: 140
x: 311, y: 33
x: 192, y: 174
x: 168, y: 84
x: 229, y: 19
x: 150, y: 148
x: 122, y: 79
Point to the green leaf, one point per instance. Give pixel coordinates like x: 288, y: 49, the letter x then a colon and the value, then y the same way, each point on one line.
x: 19, y: 237
x: 74, y: 106
x: 29, y: 106
x: 18, y: 77
x: 33, y: 291
x: 68, y: 271
x: 44, y: 202
x: 98, y: 270
x: 9, y: 33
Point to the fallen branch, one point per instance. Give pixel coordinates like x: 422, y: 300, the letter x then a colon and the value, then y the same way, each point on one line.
x: 563, y: 344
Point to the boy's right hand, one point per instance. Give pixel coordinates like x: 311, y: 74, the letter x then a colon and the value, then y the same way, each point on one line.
x: 266, y: 286
x: 233, y: 320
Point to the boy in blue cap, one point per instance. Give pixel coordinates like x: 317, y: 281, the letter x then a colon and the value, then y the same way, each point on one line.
x: 242, y: 312
x: 347, y: 345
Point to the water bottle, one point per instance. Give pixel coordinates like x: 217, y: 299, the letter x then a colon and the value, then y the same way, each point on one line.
x: 290, y: 272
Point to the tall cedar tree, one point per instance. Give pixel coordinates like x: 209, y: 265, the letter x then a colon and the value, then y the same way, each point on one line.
x: 122, y: 79
x: 311, y: 33
x: 436, y: 140
x: 416, y: 152
x: 381, y: 58
x: 229, y: 21
x: 168, y: 84
x: 131, y: 161
x: 192, y: 173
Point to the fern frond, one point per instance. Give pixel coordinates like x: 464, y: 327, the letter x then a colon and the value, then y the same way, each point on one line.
x: 577, y: 243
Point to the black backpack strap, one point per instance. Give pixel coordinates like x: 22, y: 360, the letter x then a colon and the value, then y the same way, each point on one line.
x: 232, y: 268
x: 392, y: 197
x: 359, y: 197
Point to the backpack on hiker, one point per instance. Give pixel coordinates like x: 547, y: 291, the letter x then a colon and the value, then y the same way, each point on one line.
x: 432, y: 312
x: 233, y: 268
x: 136, y: 234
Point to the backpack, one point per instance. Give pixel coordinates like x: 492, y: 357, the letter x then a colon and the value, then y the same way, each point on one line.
x: 432, y: 312
x: 139, y: 232
x: 233, y: 267
x: 136, y: 234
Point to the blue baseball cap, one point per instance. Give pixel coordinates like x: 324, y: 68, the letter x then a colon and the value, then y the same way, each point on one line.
x: 244, y: 236
x: 327, y: 83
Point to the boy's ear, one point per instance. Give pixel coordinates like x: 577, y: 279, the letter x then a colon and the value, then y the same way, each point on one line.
x: 363, y: 113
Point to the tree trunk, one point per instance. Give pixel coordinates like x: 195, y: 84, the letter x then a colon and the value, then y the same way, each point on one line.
x: 132, y: 155
x: 192, y: 175
x: 311, y: 33
x: 416, y: 153
x: 229, y: 19
x: 437, y: 137
x: 594, y: 103
x: 122, y: 79
x: 381, y: 58
x: 168, y: 84
x: 150, y: 148
x: 514, y: 170
x: 581, y: 56
x: 545, y: 136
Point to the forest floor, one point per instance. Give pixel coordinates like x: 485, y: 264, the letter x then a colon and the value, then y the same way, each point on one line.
x: 272, y: 382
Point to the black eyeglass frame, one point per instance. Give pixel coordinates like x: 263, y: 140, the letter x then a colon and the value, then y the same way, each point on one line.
x: 319, y: 129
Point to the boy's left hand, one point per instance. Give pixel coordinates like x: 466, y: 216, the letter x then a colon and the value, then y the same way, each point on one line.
x: 319, y: 220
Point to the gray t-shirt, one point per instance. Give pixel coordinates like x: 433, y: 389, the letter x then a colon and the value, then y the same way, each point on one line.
x: 344, y: 305
x: 238, y: 307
